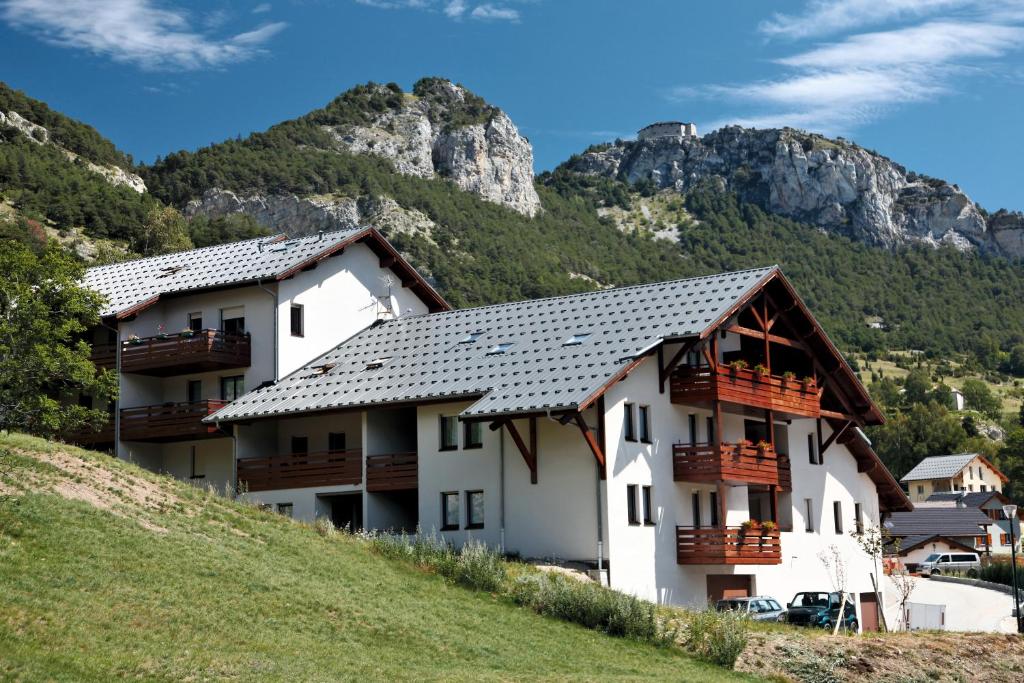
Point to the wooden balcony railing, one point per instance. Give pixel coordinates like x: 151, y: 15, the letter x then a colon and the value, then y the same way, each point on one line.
x: 731, y: 545
x: 170, y: 421
x: 87, y: 437
x: 727, y: 462
x: 175, y: 354
x: 391, y: 472
x: 326, y: 468
x: 104, y: 356
x: 701, y: 385
x: 785, y: 473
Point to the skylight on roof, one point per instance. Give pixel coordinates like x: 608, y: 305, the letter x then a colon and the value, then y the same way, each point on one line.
x: 377, y: 363
x: 499, y: 349
x: 171, y: 270
x: 576, y: 339
x: 471, y: 337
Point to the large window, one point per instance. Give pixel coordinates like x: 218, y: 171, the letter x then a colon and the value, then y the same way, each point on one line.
x: 336, y: 441
x: 645, y: 424
x: 449, y: 511
x: 232, y: 320
x: 449, y: 433
x: 473, y: 436
x: 232, y: 387
x: 474, y: 509
x: 297, y: 326
x: 837, y: 514
x: 648, y: 507
x: 632, y: 504
x: 629, y: 422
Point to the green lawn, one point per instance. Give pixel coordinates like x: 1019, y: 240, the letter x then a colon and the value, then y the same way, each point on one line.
x: 172, y: 583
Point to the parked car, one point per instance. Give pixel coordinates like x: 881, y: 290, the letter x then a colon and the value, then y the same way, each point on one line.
x: 759, y: 607
x: 821, y: 610
x: 937, y: 564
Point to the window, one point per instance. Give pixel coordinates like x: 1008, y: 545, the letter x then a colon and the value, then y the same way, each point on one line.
x: 631, y: 504
x: 979, y: 542
x: 812, y: 451
x: 713, y: 502
x: 471, y: 337
x: 449, y: 432
x: 449, y: 511
x: 576, y: 339
x: 300, y: 445
x: 499, y: 349
x: 837, y: 514
x: 808, y: 515
x: 1004, y: 539
x: 232, y: 387
x: 194, y: 464
x: 970, y: 471
x: 474, y: 509
x: 858, y: 524
x: 232, y: 320
x: 195, y: 321
x: 693, y: 429
x: 710, y: 426
x: 645, y: 424
x: 983, y: 488
x: 473, y: 435
x: 297, y: 321
x: 920, y: 490
x: 696, y: 509
x: 629, y: 424
x: 285, y: 509
x: 194, y: 390
x: 648, y: 507
x: 336, y: 441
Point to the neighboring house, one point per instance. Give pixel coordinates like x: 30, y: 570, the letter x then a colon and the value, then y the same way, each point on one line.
x: 990, y: 503
x: 913, y: 550
x: 966, y: 526
x: 618, y: 428
x: 192, y: 331
x: 958, y: 399
x: 948, y: 473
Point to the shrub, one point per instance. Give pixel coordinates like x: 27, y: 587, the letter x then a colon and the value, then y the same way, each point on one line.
x: 324, y: 527
x: 999, y: 571
x: 716, y: 637
x: 474, y: 566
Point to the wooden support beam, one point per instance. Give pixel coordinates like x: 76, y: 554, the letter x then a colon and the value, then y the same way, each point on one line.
x: 761, y: 321
x: 836, y: 415
x: 665, y: 372
x: 769, y: 423
x: 773, y: 338
x: 595, y: 447
x: 836, y: 433
x: 528, y: 456
x: 533, y: 448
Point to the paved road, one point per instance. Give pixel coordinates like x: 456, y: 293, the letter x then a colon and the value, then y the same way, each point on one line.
x: 968, y: 608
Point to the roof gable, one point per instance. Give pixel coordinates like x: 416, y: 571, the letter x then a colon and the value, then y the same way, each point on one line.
x: 943, y: 521
x: 948, y: 466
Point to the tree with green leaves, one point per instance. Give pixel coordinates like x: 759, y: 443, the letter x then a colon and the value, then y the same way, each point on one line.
x: 911, y: 435
x: 917, y: 386
x: 978, y: 396
x: 1010, y: 461
x: 164, y: 231
x: 44, y: 364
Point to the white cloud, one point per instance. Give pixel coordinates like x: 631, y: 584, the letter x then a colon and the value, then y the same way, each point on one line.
x: 830, y: 16
x: 455, y: 9
x: 134, y: 32
x: 490, y: 12
x: 261, y: 8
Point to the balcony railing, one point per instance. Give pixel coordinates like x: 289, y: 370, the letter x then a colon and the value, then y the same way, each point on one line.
x: 326, y: 468
x: 87, y: 437
x: 104, y: 356
x: 391, y: 472
x: 701, y: 385
x: 176, y: 354
x: 731, y: 545
x: 726, y: 462
x: 170, y: 421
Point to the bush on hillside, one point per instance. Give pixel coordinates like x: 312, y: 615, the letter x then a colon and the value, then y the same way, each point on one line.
x: 716, y: 637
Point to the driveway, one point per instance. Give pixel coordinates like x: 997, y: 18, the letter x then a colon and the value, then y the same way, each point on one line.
x: 968, y: 608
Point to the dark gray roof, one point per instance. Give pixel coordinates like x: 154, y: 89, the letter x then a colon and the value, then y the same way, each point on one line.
x: 911, y: 542
x: 943, y: 521
x: 972, y: 499
x: 130, y: 284
x: 939, y: 467
x: 424, y: 359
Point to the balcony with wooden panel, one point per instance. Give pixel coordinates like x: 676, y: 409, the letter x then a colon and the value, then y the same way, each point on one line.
x: 187, y: 352
x: 742, y: 388
x: 170, y: 422
x: 92, y: 438
x: 392, y: 472
x: 104, y: 356
x: 731, y: 463
x: 324, y: 468
x: 729, y: 545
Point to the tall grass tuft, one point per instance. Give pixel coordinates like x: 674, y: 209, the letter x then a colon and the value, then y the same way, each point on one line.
x: 716, y: 637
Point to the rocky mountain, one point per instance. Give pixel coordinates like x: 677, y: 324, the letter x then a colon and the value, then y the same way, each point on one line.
x: 831, y: 183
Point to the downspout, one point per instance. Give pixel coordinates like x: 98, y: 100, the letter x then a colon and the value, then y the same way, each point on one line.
x: 273, y: 294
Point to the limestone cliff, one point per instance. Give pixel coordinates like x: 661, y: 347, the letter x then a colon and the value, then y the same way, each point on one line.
x: 834, y: 184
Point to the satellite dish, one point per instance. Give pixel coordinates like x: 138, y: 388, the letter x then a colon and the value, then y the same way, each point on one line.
x: 393, y: 306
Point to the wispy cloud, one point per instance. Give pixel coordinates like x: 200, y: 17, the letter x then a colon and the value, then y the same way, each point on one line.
x: 836, y: 87
x: 261, y: 8
x: 490, y: 12
x: 823, y: 17
x: 134, y: 32
x: 456, y: 10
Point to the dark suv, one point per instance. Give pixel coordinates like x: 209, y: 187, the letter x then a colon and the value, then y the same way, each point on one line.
x: 821, y: 610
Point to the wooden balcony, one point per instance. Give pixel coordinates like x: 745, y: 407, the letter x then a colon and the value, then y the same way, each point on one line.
x: 725, y: 462
x: 87, y: 437
x: 104, y: 356
x: 170, y: 422
x: 326, y: 468
x: 731, y: 545
x: 391, y: 472
x: 174, y: 354
x: 787, y: 397
x: 785, y: 474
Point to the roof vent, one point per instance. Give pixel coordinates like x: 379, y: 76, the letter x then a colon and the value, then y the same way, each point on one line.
x: 471, y: 337
x: 576, y: 339
x: 324, y: 369
x: 377, y: 363
x: 499, y: 349
x: 171, y: 270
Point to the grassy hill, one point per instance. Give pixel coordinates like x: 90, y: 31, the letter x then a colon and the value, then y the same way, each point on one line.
x: 108, y: 571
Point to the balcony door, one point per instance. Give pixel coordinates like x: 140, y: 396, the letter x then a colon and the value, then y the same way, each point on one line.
x: 194, y: 391
x: 232, y: 320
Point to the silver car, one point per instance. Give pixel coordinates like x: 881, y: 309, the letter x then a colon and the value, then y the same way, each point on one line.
x: 938, y: 564
x: 759, y: 607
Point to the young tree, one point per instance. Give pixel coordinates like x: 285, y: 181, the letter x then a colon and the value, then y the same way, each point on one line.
x: 917, y: 386
x: 164, y: 231
x: 44, y: 364
x: 979, y: 397
x: 911, y: 435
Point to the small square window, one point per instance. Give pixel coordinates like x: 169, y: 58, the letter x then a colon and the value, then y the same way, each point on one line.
x: 645, y: 424
x: 300, y: 445
x: 195, y: 321
x: 450, y: 511
x: 474, y: 509
x: 499, y: 349
x: 449, y: 432
x: 473, y: 436
x: 648, y: 507
x: 297, y: 322
x: 232, y: 387
x: 336, y: 441
x: 285, y: 509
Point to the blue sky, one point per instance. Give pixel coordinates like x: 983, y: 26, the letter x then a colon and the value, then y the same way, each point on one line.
x: 933, y: 84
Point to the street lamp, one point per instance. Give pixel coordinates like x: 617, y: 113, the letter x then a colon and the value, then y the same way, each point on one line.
x: 1011, y: 514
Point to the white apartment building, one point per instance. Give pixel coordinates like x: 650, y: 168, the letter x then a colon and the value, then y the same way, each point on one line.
x: 970, y: 472
x: 692, y: 439
x: 192, y: 331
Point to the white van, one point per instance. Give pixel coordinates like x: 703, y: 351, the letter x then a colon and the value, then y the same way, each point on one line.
x: 937, y: 564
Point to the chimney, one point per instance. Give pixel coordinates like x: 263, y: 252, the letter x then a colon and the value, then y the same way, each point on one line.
x: 960, y: 502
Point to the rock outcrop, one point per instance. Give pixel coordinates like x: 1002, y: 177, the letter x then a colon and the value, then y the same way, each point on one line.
x: 834, y: 184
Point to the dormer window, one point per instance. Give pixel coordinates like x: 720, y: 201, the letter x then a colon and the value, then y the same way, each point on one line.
x: 377, y: 363
x: 499, y: 349
x: 471, y: 337
x: 576, y: 339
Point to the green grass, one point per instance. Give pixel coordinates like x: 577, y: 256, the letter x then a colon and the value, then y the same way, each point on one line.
x: 175, y: 583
